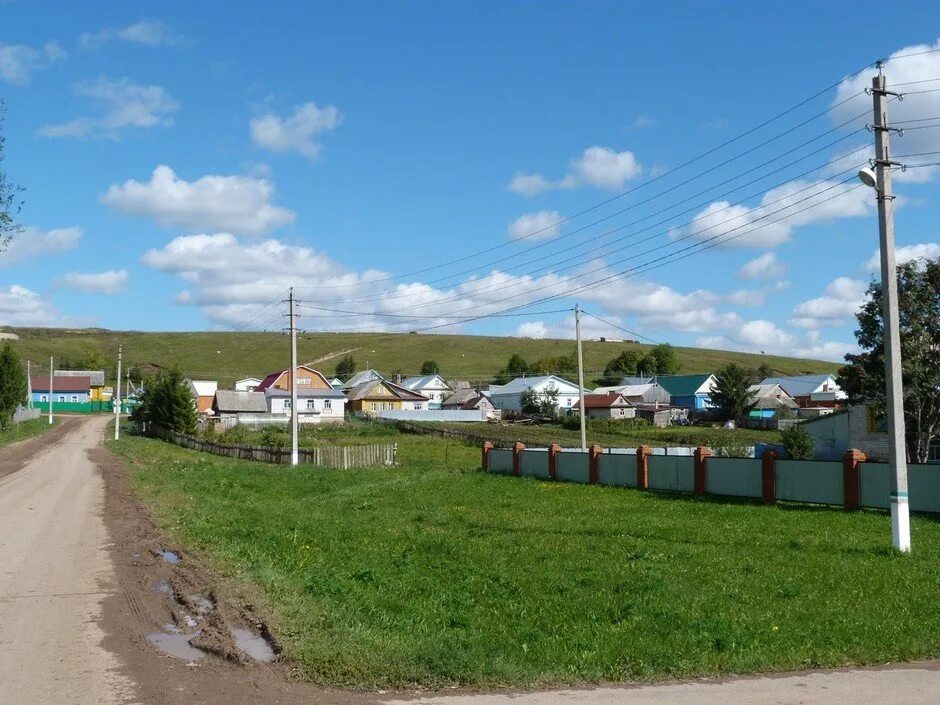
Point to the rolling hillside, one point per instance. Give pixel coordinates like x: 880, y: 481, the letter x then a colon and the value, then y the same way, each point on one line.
x: 229, y: 356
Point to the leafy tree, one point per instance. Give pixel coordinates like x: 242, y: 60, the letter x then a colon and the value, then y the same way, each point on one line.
x: 346, y: 367
x: 167, y: 402
x: 515, y: 367
x: 863, y: 378
x: 661, y: 360
x: 545, y: 403
x: 562, y: 365
x: 730, y: 394
x: 529, y: 401
x: 626, y: 364
x: 429, y: 367
x: 762, y: 372
x: 798, y: 443
x: 13, y: 384
x: 10, y: 203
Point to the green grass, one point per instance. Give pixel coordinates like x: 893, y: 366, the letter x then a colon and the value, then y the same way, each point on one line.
x: 229, y: 356
x: 22, y: 431
x: 434, y: 574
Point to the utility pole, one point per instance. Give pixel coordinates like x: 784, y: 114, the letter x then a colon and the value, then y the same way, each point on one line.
x: 897, y: 458
x: 294, y: 445
x: 117, y: 397
x: 50, y: 390
x: 577, y: 335
x: 29, y: 385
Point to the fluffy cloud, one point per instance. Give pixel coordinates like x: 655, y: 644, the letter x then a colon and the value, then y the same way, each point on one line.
x: 765, y: 267
x: 535, y: 226
x: 928, y: 250
x: 110, y: 282
x: 152, y: 33
x: 297, y: 132
x: 239, y: 204
x: 600, y: 167
x: 33, y: 242
x: 125, y: 105
x: 837, y: 305
x: 20, y: 306
x: 532, y: 329
x: 766, y: 337
x: 18, y: 61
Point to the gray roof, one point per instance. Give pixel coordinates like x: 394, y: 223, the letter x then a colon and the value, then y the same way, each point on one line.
x: 421, y: 381
x: 305, y: 393
x: 95, y: 377
x: 520, y: 384
x: 461, y: 396
x: 228, y: 400
x: 799, y: 385
x: 362, y: 378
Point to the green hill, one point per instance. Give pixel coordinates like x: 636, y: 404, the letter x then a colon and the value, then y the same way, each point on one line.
x: 226, y: 356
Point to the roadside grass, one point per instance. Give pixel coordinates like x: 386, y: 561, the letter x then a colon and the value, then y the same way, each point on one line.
x: 435, y: 574
x: 22, y: 431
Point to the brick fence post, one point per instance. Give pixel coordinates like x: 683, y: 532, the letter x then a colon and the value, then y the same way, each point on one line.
x: 553, y: 450
x: 594, y: 464
x: 517, y: 449
x: 701, y: 455
x: 643, y: 454
x: 769, y: 476
x: 851, y: 478
x: 487, y: 447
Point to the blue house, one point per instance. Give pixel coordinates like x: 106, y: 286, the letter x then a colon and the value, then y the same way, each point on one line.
x: 68, y: 393
x: 691, y: 392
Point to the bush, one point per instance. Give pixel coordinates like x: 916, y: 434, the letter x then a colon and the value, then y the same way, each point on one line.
x: 798, y: 443
x: 167, y: 402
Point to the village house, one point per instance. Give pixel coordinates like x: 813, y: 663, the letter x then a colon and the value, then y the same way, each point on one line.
x: 432, y: 386
x: 606, y: 406
x: 97, y: 392
x: 642, y: 393
x: 376, y: 395
x: 361, y: 378
x: 68, y: 393
x: 811, y: 390
x: 769, y: 400
x: 692, y: 392
x: 467, y: 399
x: 233, y: 407
x: 317, y: 400
x: 248, y: 384
x: 508, y: 397
x: 203, y: 393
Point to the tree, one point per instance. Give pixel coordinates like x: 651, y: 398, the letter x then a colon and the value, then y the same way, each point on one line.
x: 529, y: 401
x: 10, y: 203
x: 730, y: 395
x: 429, y: 367
x: 797, y: 442
x: 167, y: 402
x: 863, y: 378
x: 626, y: 364
x: 546, y: 403
x: 661, y: 360
x: 565, y: 365
x: 762, y: 372
x: 515, y: 367
x: 346, y: 367
x: 13, y: 384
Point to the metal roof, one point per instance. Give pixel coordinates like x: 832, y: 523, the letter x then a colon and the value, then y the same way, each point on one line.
x: 801, y: 385
x: 422, y: 381
x: 227, y: 400
x: 520, y: 384
x: 602, y: 401
x: 204, y: 387
x: 60, y: 384
x: 362, y: 378
x: 682, y: 385
x: 95, y: 377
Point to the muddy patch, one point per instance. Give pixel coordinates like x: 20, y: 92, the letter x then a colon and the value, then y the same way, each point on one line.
x: 176, y: 644
x: 255, y: 646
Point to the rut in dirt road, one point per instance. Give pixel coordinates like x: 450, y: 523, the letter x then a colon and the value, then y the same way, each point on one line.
x: 56, y: 571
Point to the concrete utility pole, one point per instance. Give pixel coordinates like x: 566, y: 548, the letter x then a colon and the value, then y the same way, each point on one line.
x: 50, y: 391
x: 294, y: 445
x: 577, y: 335
x: 900, y: 508
x: 117, y: 397
x: 29, y: 385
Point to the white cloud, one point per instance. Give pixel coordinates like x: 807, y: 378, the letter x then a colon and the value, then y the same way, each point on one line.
x: 152, y: 33
x: 762, y: 336
x: 535, y: 226
x: 765, y: 267
x: 110, y: 282
x: 297, y: 132
x: 239, y: 204
x: 640, y: 122
x: 532, y: 329
x: 927, y: 250
x: 125, y: 105
x: 20, y: 306
x: 838, y: 304
x: 33, y: 242
x: 18, y: 61
x: 600, y: 167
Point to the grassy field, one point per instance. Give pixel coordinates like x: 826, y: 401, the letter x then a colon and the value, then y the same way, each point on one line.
x: 22, y: 431
x: 434, y: 574
x: 229, y: 356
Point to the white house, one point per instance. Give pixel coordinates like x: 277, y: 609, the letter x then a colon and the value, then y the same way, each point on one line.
x: 811, y: 390
x: 314, y: 405
x: 432, y: 386
x: 509, y: 396
x: 248, y: 384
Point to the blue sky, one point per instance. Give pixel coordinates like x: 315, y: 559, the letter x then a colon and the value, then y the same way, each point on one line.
x: 183, y: 168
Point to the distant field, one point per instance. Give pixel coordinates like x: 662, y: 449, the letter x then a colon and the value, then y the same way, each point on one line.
x: 229, y: 356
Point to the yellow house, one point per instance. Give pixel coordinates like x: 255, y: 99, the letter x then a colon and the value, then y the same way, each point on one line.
x: 379, y: 395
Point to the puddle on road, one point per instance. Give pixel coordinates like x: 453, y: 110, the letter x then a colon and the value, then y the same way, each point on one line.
x: 171, y: 557
x: 257, y: 647
x: 162, y: 587
x: 176, y: 645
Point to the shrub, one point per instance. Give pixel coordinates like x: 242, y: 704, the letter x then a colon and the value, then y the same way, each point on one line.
x: 798, y: 443
x: 167, y: 402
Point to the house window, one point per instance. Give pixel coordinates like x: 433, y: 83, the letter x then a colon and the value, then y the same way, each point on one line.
x: 327, y: 404
x: 374, y: 406
x: 303, y: 380
x: 311, y: 404
x: 43, y: 397
x: 287, y: 403
x: 74, y: 397
x: 62, y: 398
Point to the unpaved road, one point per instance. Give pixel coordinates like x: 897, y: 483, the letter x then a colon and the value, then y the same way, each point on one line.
x: 76, y: 604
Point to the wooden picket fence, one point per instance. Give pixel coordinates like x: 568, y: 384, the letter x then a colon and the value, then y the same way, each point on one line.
x: 339, y: 457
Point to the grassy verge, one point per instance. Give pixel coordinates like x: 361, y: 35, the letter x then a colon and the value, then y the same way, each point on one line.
x: 22, y: 431
x: 435, y: 574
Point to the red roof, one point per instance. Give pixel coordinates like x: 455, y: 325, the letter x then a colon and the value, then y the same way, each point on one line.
x: 602, y: 401
x: 269, y: 380
x: 61, y: 384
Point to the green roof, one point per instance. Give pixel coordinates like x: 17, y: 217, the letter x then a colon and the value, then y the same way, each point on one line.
x: 682, y: 385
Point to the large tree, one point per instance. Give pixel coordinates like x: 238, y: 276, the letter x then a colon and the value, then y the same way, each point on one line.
x: 661, y: 360
x: 167, y: 401
x: 10, y: 202
x: 346, y: 367
x: 626, y: 364
x: 730, y: 395
x: 429, y: 367
x: 919, y: 314
x: 13, y: 384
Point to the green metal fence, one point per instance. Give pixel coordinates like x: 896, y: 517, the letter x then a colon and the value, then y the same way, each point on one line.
x: 501, y: 461
x: 671, y: 472
x: 573, y: 467
x: 534, y: 463
x: 818, y: 481
x: 617, y: 469
x: 735, y: 477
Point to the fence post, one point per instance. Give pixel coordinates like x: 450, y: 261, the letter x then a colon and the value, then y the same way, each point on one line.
x: 553, y: 450
x: 851, y: 478
x: 517, y: 449
x: 594, y: 467
x: 487, y: 447
x: 643, y: 454
x: 701, y: 455
x: 769, y: 476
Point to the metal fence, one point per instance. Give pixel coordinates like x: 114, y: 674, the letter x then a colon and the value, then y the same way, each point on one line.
x: 339, y: 457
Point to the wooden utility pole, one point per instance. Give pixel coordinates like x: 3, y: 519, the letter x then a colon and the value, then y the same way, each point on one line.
x: 294, y: 444
x: 577, y: 335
